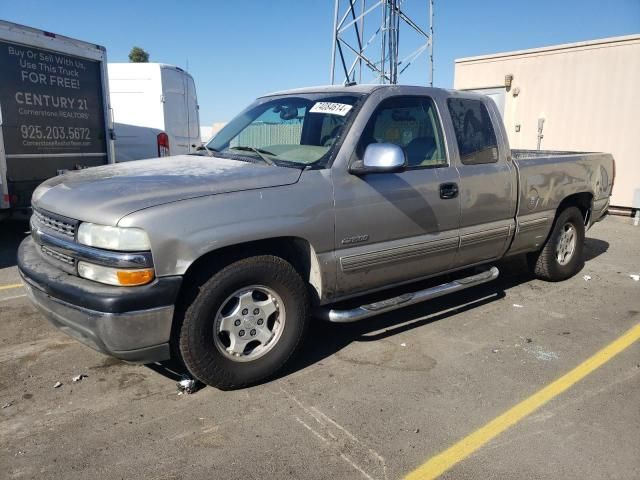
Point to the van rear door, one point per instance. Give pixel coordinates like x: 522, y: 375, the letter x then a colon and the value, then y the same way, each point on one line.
x: 193, y: 110
x: 180, y: 110
x: 138, y: 111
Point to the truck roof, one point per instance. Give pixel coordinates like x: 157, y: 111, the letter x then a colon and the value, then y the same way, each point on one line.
x: 359, y: 88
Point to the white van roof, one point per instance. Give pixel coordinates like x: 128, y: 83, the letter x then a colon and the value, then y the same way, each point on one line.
x: 118, y: 67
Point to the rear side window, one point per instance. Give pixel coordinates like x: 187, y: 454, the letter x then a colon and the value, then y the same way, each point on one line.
x: 474, y: 131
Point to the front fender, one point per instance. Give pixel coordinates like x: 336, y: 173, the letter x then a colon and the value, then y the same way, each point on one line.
x: 183, y: 231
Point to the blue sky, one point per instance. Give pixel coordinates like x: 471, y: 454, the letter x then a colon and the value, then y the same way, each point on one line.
x: 238, y: 50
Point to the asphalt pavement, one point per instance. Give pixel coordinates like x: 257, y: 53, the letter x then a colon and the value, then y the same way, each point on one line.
x: 372, y: 400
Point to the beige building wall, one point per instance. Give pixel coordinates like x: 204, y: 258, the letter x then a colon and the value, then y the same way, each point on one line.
x: 588, y: 93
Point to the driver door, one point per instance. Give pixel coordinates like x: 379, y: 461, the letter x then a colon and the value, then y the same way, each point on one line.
x: 397, y: 227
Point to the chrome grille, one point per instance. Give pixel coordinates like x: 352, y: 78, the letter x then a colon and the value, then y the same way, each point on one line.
x: 58, y: 256
x: 57, y: 225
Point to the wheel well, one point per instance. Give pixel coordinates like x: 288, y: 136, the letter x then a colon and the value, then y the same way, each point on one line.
x: 583, y: 201
x: 297, y: 251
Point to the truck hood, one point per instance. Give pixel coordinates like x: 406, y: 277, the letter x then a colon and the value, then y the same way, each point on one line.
x: 108, y: 193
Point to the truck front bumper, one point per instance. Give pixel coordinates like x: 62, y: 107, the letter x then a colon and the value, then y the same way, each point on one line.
x: 130, y: 323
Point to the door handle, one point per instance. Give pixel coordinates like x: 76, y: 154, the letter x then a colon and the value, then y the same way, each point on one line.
x: 448, y: 190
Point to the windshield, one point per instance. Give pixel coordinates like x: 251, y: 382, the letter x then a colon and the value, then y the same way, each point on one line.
x: 295, y: 130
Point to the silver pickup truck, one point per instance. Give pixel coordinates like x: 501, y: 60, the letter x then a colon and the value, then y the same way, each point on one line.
x: 306, y: 199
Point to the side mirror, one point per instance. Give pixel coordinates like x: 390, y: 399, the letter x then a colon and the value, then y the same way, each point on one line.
x: 380, y: 158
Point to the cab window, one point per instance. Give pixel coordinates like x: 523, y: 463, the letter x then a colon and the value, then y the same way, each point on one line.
x: 411, y: 123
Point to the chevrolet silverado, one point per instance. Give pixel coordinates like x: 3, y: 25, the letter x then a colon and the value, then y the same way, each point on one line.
x: 308, y: 198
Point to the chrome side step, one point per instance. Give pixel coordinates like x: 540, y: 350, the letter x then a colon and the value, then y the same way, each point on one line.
x: 406, y: 299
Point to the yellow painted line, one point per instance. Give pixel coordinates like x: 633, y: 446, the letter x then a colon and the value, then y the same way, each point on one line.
x: 442, y: 462
x: 7, y: 287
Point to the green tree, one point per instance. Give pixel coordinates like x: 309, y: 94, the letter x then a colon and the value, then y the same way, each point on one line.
x: 138, y: 55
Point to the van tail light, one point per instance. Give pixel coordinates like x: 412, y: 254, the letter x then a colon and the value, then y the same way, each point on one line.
x: 163, y: 145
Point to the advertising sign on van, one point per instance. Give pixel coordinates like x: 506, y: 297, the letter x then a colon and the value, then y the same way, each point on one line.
x: 51, y: 103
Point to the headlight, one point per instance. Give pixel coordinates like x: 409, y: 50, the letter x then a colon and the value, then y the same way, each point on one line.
x: 115, y: 276
x: 113, y: 238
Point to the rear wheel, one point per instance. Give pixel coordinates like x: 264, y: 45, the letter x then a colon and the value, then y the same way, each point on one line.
x: 562, y: 254
x: 245, y: 323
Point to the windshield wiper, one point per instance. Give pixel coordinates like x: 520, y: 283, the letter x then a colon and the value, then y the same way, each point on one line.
x: 258, y: 151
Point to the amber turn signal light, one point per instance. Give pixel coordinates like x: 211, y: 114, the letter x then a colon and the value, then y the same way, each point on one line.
x: 135, y: 277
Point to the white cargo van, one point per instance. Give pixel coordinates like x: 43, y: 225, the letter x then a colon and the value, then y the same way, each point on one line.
x: 155, y: 110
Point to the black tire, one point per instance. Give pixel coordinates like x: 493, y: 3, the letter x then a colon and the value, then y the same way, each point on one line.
x: 544, y: 263
x: 195, y: 336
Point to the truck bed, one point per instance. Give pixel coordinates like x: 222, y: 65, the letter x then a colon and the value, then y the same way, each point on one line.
x: 545, y: 178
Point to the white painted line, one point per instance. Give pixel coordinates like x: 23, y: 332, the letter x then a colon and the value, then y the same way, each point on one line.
x: 312, y: 430
x: 354, y: 465
x: 11, y: 298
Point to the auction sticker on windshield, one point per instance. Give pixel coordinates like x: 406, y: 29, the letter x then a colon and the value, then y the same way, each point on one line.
x: 331, y: 108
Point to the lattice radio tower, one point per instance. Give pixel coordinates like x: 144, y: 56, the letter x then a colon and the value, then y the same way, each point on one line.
x: 355, y: 53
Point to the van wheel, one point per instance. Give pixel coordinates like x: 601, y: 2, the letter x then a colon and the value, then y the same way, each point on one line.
x: 562, y: 254
x: 245, y: 323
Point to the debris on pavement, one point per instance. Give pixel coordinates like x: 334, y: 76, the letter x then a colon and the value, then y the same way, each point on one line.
x: 417, y: 430
x: 586, y: 277
x: 495, y: 350
x: 517, y: 305
x: 542, y: 354
x: 529, y: 340
x: 77, y: 378
x: 57, y: 385
x: 7, y: 405
x: 635, y: 277
x: 186, y: 385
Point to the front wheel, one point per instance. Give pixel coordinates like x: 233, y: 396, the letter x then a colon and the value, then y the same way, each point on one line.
x: 245, y: 323
x: 562, y: 254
